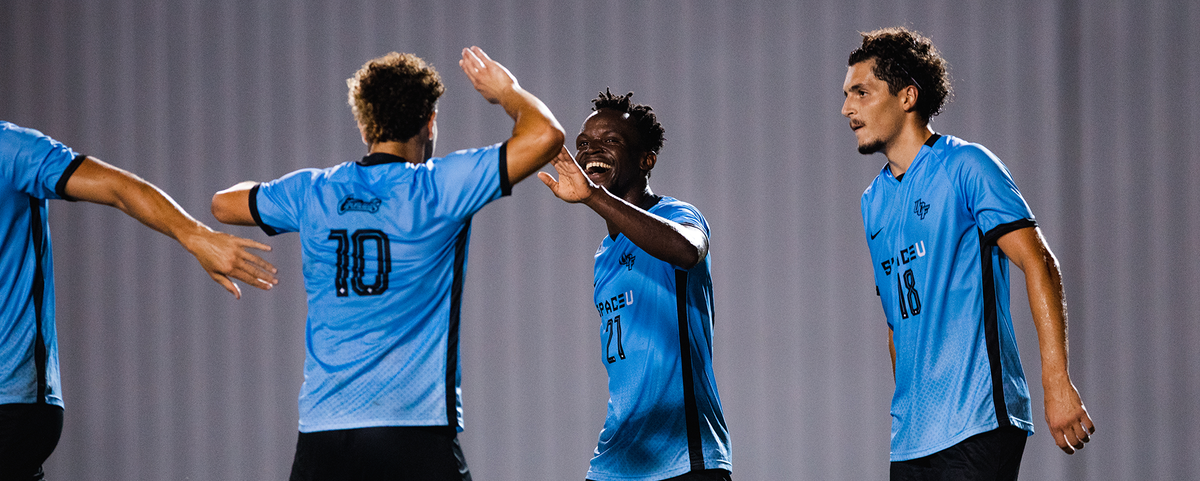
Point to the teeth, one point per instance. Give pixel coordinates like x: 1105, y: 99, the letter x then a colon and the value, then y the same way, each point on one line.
x: 601, y: 165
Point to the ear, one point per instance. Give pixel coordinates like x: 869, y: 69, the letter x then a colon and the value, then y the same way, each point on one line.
x: 429, y: 124
x: 362, y: 132
x: 648, y: 160
x: 908, y: 97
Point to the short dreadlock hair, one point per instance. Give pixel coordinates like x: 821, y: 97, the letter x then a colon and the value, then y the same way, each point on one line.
x: 903, y: 58
x: 645, y: 123
x: 393, y: 96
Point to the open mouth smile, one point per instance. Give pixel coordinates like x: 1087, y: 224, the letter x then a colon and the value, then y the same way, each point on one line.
x: 596, y: 167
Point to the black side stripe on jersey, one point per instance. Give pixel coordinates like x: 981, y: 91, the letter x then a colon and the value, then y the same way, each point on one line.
x: 456, y: 287
x: 254, y: 211
x: 691, y: 413
x: 39, y: 295
x: 60, y: 188
x: 505, y: 182
x: 991, y: 326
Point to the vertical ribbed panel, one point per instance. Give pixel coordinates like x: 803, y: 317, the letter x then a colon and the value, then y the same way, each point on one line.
x: 1094, y: 106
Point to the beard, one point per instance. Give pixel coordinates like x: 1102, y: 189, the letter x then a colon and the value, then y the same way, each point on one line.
x: 871, y: 147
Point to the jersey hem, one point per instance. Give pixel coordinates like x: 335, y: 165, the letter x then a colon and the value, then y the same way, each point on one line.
x: 374, y: 423
x: 910, y: 455
x: 718, y: 464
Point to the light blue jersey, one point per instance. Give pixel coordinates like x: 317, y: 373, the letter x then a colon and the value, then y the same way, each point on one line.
x: 33, y: 169
x: 944, y: 288
x: 664, y: 415
x: 385, y: 250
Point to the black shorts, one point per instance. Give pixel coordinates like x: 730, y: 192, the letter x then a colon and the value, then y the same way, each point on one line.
x: 384, y: 453
x: 28, y: 434
x: 993, y: 455
x: 705, y: 475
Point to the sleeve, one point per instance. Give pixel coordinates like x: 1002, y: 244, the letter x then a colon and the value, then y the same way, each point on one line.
x: 683, y: 213
x: 991, y: 195
x: 34, y: 163
x: 276, y: 205
x: 470, y: 179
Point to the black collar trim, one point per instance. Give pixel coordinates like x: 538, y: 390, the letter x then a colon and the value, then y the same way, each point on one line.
x: 380, y: 158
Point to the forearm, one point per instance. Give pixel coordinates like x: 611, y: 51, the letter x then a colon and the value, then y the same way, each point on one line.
x: 1048, y: 306
x: 536, y: 135
x: 98, y: 182
x: 681, y: 245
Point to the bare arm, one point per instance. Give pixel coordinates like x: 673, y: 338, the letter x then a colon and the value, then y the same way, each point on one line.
x: 682, y: 245
x: 536, y: 135
x: 1068, y: 419
x: 222, y: 255
x: 232, y: 205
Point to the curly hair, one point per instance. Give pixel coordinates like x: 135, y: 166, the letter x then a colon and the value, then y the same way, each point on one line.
x: 903, y: 58
x: 645, y: 123
x: 393, y: 96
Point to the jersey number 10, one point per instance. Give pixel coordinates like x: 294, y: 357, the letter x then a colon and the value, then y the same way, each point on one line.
x: 351, y: 254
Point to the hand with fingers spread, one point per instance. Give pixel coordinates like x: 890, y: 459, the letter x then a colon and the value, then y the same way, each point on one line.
x: 491, y: 79
x: 572, y: 185
x: 225, y: 258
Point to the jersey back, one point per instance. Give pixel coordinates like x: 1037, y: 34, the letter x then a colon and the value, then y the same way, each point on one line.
x: 664, y: 415
x: 943, y: 284
x: 384, y: 249
x: 33, y: 169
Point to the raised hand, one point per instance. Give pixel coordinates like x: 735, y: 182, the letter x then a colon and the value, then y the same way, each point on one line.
x: 572, y: 185
x: 490, y: 78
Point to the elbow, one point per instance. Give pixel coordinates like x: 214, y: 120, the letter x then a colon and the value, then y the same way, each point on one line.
x: 223, y: 211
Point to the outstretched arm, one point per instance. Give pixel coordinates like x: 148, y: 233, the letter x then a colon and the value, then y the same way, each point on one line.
x: 536, y: 135
x: 1068, y: 419
x: 223, y: 256
x: 682, y: 245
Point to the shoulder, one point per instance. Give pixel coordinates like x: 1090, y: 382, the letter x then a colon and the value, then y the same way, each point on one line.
x: 961, y: 157
x: 679, y: 211
x: 465, y: 154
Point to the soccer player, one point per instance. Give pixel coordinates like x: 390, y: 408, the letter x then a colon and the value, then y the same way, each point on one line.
x: 33, y: 169
x: 385, y: 247
x: 653, y: 291
x: 943, y: 220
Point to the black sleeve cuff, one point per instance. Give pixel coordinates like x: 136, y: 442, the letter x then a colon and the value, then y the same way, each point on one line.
x: 61, y: 187
x: 254, y: 212
x: 505, y: 183
x: 994, y: 235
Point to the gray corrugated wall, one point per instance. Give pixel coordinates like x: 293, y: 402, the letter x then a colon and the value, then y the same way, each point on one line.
x: 1095, y: 107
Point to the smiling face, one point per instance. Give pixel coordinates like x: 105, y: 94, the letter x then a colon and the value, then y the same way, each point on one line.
x: 609, y: 152
x: 876, y: 115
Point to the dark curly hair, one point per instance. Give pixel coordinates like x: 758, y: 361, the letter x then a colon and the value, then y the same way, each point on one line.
x: 645, y: 123
x: 393, y: 96
x: 903, y: 58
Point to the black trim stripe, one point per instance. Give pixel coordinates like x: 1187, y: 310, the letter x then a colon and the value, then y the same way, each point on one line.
x: 60, y: 188
x: 991, y: 326
x: 993, y: 236
x: 254, y: 211
x: 456, y: 287
x: 932, y: 139
x: 505, y: 182
x: 39, y: 295
x: 691, y: 413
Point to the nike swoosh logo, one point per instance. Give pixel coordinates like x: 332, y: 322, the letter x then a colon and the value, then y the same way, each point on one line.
x: 876, y: 233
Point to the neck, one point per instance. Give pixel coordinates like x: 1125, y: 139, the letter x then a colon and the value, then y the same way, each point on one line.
x: 903, y: 149
x: 412, y: 150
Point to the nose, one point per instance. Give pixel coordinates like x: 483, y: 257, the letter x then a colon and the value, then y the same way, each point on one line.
x: 847, y: 109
